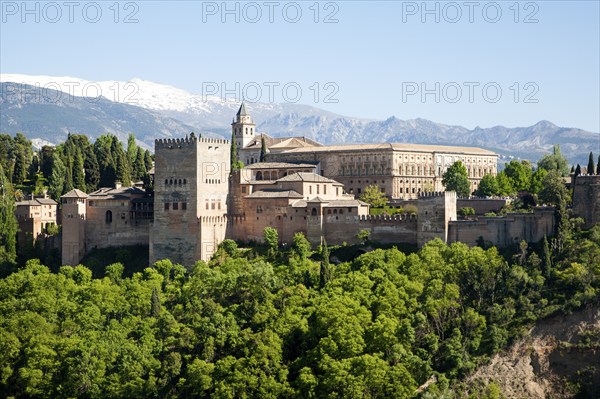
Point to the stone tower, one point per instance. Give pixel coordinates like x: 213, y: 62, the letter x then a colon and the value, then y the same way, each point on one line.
x: 243, y: 128
x: 73, y: 227
x: 191, y: 185
x: 435, y: 210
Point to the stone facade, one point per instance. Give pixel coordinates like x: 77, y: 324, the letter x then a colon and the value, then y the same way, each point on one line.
x: 191, y: 188
x: 33, y: 217
x: 108, y: 217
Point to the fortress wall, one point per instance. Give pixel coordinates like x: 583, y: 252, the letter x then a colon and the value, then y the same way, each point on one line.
x: 384, y: 229
x: 482, y: 205
x: 586, y: 199
x: 504, y: 231
x: 120, y: 232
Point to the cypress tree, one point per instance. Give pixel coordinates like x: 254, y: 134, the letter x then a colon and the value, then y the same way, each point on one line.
x: 155, y: 303
x: 577, y: 170
x: 92, y: 169
x: 8, y: 223
x: 57, y: 179
x: 233, y: 157
x: 547, y: 256
x: 148, y: 160
x: 78, y: 172
x: 139, y: 166
x: 590, y: 167
x: 263, y: 149
x: 572, y: 169
x: 325, y: 269
x: 598, y: 166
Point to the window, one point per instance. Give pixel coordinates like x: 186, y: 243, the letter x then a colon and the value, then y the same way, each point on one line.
x: 183, y: 206
x: 108, y: 217
x: 175, y: 206
x: 166, y: 206
x: 243, y: 189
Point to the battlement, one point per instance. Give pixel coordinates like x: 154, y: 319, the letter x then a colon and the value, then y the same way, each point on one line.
x: 586, y: 179
x: 212, y: 140
x: 449, y: 194
x: 387, y: 218
x: 187, y: 141
x: 174, y: 143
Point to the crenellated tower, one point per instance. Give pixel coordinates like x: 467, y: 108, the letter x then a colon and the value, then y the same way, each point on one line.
x: 191, y: 186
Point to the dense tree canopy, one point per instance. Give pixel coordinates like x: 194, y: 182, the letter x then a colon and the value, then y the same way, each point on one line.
x: 76, y: 163
x: 377, y: 326
x: 457, y: 179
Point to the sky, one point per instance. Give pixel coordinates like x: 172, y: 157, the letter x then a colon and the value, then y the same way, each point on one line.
x: 469, y: 63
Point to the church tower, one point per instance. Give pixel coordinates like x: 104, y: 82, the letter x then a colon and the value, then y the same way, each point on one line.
x: 243, y: 128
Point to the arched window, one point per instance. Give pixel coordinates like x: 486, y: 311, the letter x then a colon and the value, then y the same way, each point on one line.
x: 166, y: 182
x: 259, y: 176
x: 313, y: 212
x: 108, y: 217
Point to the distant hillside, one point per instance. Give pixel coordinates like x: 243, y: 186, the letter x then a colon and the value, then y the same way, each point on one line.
x: 154, y: 110
x: 47, y: 121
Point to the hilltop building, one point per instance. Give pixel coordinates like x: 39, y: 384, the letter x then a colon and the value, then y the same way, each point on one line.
x: 303, y: 187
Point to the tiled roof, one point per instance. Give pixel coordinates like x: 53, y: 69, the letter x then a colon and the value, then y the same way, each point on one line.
x: 75, y: 193
x: 278, y: 165
x: 116, y: 193
x: 307, y: 177
x: 275, y: 142
x: 396, y: 147
x: 270, y: 193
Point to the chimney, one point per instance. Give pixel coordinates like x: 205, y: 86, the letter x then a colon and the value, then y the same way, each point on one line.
x: 118, y: 184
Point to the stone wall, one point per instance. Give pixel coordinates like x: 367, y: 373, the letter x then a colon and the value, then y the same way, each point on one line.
x: 482, y: 205
x: 504, y: 231
x: 586, y: 199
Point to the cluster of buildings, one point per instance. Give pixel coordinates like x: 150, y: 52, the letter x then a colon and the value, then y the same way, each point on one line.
x: 302, y: 186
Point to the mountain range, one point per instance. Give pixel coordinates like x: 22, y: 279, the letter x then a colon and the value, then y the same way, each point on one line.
x: 47, y: 108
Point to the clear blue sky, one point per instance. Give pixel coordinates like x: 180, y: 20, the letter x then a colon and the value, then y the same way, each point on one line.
x: 379, y: 55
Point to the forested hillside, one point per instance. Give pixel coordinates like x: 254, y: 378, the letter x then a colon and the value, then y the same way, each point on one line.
x: 265, y: 322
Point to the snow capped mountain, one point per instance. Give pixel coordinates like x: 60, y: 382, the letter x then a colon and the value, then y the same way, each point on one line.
x: 47, y: 107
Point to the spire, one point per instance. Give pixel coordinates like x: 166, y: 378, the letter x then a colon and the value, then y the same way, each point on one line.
x: 242, y: 111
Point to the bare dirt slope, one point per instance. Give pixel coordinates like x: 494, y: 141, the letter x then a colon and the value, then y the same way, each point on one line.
x: 560, y: 358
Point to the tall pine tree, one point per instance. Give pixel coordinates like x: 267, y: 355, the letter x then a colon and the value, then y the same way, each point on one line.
x: 591, y: 167
x: 325, y: 269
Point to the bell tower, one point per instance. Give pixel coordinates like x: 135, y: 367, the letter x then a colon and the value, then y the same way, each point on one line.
x: 243, y: 128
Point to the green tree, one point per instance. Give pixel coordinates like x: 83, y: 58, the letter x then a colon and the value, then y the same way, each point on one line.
x: 263, y: 149
x: 505, y: 186
x: 364, y: 236
x: 233, y: 155
x: 456, y: 179
x: 488, y: 186
x: 537, y: 180
x: 132, y: 149
x: 78, y: 172
x: 553, y: 189
x: 590, y: 167
x: 598, y: 166
x: 148, y: 160
x: 325, y: 267
x: 92, y: 169
x: 555, y: 161
x: 519, y: 174
x: 271, y: 237
x: 301, y: 245
x: 139, y: 166
x: 373, y: 196
x: 547, y: 257
x: 155, y: 306
x: 57, y: 179
x: 8, y: 223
